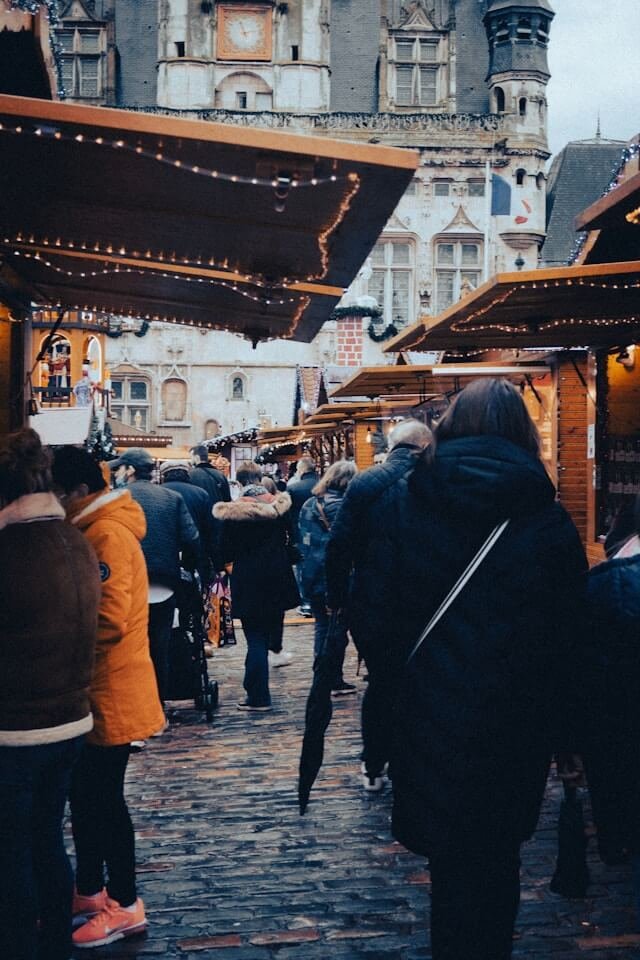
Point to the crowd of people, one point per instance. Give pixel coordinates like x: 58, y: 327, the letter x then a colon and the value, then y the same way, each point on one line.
x: 461, y: 580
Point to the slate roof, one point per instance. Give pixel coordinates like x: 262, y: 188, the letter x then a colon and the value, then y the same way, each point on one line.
x: 579, y: 174
x: 472, y: 59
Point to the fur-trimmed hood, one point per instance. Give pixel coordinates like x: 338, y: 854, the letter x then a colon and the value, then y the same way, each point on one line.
x: 30, y: 508
x: 265, y: 507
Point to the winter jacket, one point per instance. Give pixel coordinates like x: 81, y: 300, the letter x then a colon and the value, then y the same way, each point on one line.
x: 199, y: 509
x: 212, y: 481
x: 477, y: 710
x: 355, y: 543
x: 124, y: 693
x: 170, y: 530
x: 253, y: 534
x: 299, y: 489
x: 49, y: 595
x: 315, y: 529
x: 612, y: 681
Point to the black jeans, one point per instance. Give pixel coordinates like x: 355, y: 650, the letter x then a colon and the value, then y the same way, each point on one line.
x: 261, y: 635
x: 475, y: 894
x: 160, y: 624
x: 36, y: 880
x: 102, y: 828
x: 377, y: 720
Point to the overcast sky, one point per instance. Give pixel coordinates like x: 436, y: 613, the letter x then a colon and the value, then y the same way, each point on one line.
x: 594, y: 56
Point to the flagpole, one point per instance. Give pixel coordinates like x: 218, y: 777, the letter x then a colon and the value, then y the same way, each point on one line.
x: 487, y: 219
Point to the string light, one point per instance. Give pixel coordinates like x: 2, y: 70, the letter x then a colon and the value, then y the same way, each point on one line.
x: 139, y: 151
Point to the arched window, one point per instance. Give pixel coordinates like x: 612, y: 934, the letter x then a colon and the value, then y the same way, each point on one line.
x: 211, y: 429
x: 499, y: 100
x: 55, y: 370
x: 244, y: 91
x: 174, y: 399
x: 93, y: 357
x: 524, y: 28
x: 520, y: 175
x: 522, y: 106
x: 237, y: 388
x: 540, y: 181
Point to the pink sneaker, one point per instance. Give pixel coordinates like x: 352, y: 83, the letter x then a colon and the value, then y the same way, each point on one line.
x: 86, y: 907
x: 112, y: 923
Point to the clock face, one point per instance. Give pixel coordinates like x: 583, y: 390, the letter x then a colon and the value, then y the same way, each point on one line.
x: 244, y: 33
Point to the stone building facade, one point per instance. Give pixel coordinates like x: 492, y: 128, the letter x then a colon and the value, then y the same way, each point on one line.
x: 463, y: 81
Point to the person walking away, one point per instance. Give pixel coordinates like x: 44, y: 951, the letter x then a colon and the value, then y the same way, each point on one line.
x: 175, y: 475
x: 478, y: 715
x: 124, y: 701
x: 356, y: 568
x: 170, y: 530
x: 253, y: 534
x: 300, y: 488
x: 316, y: 519
x: 204, y: 475
x: 612, y: 682
x: 49, y: 595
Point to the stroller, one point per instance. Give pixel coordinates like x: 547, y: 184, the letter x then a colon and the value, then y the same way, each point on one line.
x: 188, y: 673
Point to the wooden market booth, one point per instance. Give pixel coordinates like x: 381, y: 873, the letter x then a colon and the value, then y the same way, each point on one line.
x: 127, y: 214
x: 573, y: 315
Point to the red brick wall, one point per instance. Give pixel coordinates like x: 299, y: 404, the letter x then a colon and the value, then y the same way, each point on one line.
x: 349, y: 342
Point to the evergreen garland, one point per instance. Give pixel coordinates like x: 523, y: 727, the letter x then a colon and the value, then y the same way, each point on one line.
x: 356, y: 311
x: 389, y: 331
x: 144, y: 326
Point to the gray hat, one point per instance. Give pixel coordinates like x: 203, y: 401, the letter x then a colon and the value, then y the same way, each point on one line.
x: 136, y: 457
x: 177, y: 466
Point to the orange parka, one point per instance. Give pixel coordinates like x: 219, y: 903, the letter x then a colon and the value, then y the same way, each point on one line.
x: 124, y: 694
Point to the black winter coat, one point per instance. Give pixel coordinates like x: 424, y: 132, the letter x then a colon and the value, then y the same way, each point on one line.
x: 612, y: 754
x: 299, y: 489
x: 357, y: 543
x: 253, y: 534
x: 212, y: 481
x: 477, y: 716
x: 199, y: 508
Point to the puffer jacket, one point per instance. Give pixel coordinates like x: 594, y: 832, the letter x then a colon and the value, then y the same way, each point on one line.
x: 170, y: 530
x: 124, y: 694
x: 478, y: 708
x: 299, y: 489
x: 315, y: 528
x: 49, y: 594
x: 612, y: 680
x: 252, y: 534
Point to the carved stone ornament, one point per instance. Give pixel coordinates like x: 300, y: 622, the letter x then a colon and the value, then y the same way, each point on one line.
x: 417, y: 11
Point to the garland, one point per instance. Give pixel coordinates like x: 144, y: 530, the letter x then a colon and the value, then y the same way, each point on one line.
x: 117, y: 332
x: 144, y: 326
x: 114, y: 333
x: 389, y: 331
x: 356, y: 311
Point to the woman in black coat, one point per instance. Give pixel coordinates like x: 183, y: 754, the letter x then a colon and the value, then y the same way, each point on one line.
x: 476, y: 719
x: 253, y: 534
x: 612, y: 755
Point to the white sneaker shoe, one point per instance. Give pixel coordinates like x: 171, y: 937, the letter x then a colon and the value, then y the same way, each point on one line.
x: 282, y: 659
x: 373, y: 784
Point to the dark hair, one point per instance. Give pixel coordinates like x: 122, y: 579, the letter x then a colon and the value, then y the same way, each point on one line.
x: 249, y: 473
x: 489, y: 406
x: 73, y: 466
x: 200, y: 451
x: 25, y: 465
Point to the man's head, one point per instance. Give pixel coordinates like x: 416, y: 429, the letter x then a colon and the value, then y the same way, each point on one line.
x: 134, y: 464
x: 199, y: 454
x: 410, y: 433
x: 75, y: 474
x: 249, y: 473
x: 172, y: 470
x: 305, y: 465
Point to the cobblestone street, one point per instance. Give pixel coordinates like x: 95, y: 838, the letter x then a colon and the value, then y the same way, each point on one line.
x: 228, y: 868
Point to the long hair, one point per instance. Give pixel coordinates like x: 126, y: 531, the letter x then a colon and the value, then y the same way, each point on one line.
x: 25, y: 465
x: 337, y: 477
x: 488, y: 407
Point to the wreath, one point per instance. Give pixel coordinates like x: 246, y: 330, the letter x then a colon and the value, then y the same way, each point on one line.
x: 389, y: 331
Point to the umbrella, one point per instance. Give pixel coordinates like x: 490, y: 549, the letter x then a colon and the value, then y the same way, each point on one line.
x: 571, y: 877
x: 318, y: 712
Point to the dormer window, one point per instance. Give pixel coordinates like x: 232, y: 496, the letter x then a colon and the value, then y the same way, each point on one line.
x: 82, y: 62
x: 524, y: 28
x: 417, y: 71
x: 502, y: 31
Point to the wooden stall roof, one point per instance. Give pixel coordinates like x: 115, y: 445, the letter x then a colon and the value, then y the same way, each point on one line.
x: 349, y: 411
x: 611, y: 209
x: 613, y: 224
x: 253, y: 231
x: 588, y: 305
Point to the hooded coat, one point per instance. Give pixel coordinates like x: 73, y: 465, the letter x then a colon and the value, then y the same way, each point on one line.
x: 613, y: 684
x: 123, y: 693
x: 477, y: 715
x: 253, y: 535
x: 49, y: 594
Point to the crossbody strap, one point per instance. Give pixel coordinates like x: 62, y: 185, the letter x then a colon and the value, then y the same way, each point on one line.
x: 464, y: 578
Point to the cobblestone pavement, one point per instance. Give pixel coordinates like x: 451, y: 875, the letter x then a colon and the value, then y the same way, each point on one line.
x: 228, y: 868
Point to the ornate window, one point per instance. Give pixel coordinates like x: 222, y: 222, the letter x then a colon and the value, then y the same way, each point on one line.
x: 392, y: 280
x: 458, y: 269
x: 237, y: 386
x: 174, y: 399
x: 131, y: 400
x: 418, y: 71
x: 476, y: 188
x: 82, y: 61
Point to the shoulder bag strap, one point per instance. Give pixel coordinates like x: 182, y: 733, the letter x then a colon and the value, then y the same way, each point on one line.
x: 483, y: 552
x: 324, y: 520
